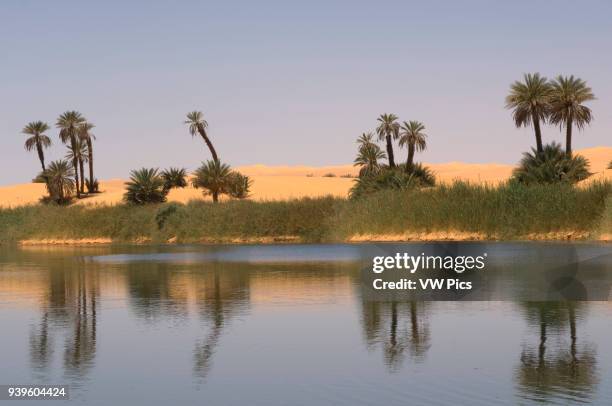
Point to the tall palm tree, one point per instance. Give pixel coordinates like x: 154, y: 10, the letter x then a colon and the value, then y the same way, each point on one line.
x: 80, y: 153
x: 568, y: 94
x: 387, y: 130
x: 413, y: 136
x: 86, y: 135
x: 197, y: 125
x: 38, y: 139
x: 530, y: 102
x: 69, y: 123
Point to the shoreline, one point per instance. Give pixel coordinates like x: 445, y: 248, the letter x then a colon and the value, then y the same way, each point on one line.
x: 452, y: 236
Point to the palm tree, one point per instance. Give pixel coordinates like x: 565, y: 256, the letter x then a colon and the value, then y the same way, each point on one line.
x: 80, y: 153
x: 174, y: 178
x: 568, y: 94
x: 388, y: 129
x: 413, y: 136
x: 38, y: 139
x: 214, y: 177
x: 86, y: 135
x: 69, y: 124
x: 145, y: 186
x: 530, y: 102
x: 60, y: 184
x: 197, y: 125
x: 368, y: 156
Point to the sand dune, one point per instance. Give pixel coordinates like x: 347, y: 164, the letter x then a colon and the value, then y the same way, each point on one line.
x: 284, y: 182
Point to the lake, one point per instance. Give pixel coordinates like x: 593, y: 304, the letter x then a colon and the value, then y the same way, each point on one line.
x: 297, y: 324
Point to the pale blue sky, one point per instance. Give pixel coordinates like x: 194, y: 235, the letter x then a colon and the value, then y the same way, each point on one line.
x: 289, y: 82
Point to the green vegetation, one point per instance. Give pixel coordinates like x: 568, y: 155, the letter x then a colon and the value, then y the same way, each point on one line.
x: 217, y: 178
x: 74, y: 131
x: 174, y: 178
x: 567, y: 109
x: 60, y: 184
x: 559, y: 102
x: 511, y: 211
x: 38, y: 139
x: 552, y: 165
x: 197, y: 125
x: 414, y: 138
x: 145, y: 186
x: 388, y: 130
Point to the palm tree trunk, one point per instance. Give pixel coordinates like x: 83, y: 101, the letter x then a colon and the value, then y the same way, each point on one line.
x: 568, y: 138
x: 75, y: 166
x: 82, y: 169
x: 538, y: 134
x: 90, y: 153
x: 410, y: 161
x: 202, y: 132
x: 390, y: 151
x: 215, y: 196
x: 41, y: 155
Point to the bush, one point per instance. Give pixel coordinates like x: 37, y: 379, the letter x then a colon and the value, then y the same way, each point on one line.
x: 92, y: 187
x: 551, y: 166
x: 60, y: 185
x: 174, y: 178
x: 239, y: 185
x: 422, y: 173
x: 40, y: 178
x: 217, y: 178
x: 397, y: 178
x: 164, y: 213
x: 386, y: 179
x: 145, y: 186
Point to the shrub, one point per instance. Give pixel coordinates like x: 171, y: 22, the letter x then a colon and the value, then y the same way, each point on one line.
x: 551, y: 166
x: 217, y: 178
x: 422, y: 173
x: 397, y: 178
x: 239, y: 185
x: 387, y: 179
x: 164, y: 213
x: 40, y: 178
x: 92, y: 187
x: 174, y: 178
x: 60, y: 185
x: 145, y: 186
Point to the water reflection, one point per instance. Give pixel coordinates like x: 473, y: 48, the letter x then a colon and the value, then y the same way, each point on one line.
x: 558, y: 363
x: 71, y: 297
x: 397, y: 327
x: 69, y: 307
x: 220, y: 295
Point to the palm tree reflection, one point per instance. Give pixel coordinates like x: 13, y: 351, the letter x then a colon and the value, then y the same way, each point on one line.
x: 222, y: 294
x: 399, y: 327
x: 556, y: 368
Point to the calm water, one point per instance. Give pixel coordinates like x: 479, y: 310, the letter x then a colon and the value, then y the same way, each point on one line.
x: 279, y: 325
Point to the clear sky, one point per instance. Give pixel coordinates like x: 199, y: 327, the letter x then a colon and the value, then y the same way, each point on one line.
x: 289, y: 82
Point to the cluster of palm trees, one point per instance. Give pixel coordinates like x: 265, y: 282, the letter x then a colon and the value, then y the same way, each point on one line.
x: 148, y: 185
x: 62, y: 177
x: 375, y: 176
x: 213, y: 176
x: 537, y: 100
x: 409, y: 134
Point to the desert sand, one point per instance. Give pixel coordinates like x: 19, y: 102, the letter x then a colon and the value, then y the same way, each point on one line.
x: 285, y: 182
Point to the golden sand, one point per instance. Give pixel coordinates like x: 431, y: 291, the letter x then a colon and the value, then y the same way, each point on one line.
x: 286, y: 182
